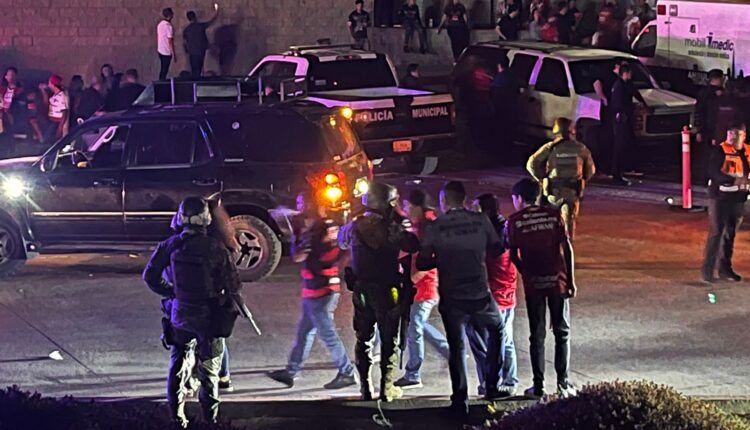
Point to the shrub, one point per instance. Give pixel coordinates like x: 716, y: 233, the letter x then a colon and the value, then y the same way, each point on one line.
x: 22, y: 410
x: 622, y: 406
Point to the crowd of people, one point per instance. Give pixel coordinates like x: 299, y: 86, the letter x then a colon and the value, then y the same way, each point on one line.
x: 47, y: 112
x: 406, y: 258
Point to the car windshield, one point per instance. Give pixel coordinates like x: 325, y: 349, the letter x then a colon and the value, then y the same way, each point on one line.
x: 586, y: 72
x: 350, y: 74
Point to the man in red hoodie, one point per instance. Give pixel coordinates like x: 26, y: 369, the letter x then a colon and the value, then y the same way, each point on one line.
x: 426, y: 284
x: 502, y: 275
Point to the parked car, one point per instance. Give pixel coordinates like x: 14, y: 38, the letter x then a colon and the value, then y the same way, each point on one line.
x: 390, y: 121
x: 116, y: 180
x: 558, y: 80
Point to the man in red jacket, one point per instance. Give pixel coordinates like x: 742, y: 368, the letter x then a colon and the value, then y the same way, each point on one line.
x: 502, y: 275
x: 426, y: 284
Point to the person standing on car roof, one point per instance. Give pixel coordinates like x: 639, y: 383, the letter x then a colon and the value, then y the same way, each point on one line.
x: 205, y: 287
x: 375, y: 239
x: 728, y: 170
x: 359, y: 21
x: 426, y: 284
x: 542, y: 252
x: 563, y: 167
x: 502, y: 276
x: 196, y: 41
x: 623, y: 115
x: 314, y: 245
x: 504, y: 93
x: 165, y: 42
x: 412, y: 22
x: 454, y: 20
x: 457, y: 244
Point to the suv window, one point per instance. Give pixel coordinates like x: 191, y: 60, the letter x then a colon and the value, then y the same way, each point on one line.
x: 522, y: 66
x: 552, y: 78
x: 350, y: 74
x: 163, y: 143
x: 95, y: 148
x: 586, y: 72
x: 276, y: 69
x: 646, y: 44
x: 476, y: 67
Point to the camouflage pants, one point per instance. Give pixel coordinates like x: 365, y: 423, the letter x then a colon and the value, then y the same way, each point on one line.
x: 208, y: 353
x: 376, y: 304
x: 569, y: 204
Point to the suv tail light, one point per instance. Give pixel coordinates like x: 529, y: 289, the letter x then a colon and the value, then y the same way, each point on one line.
x: 330, y: 189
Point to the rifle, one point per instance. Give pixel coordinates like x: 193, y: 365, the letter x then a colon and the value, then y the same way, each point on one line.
x: 246, y: 313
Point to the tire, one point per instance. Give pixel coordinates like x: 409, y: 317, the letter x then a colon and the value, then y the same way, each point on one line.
x: 12, y: 257
x: 261, y: 249
x: 420, y: 165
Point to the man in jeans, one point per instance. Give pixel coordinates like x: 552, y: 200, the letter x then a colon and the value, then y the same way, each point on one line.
x: 457, y: 243
x: 426, y: 284
x: 541, y: 249
x: 502, y: 276
x: 165, y: 42
x: 413, y: 23
x: 315, y: 247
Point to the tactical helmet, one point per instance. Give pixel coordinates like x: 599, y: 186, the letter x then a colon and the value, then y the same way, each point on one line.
x: 380, y: 196
x: 193, y: 211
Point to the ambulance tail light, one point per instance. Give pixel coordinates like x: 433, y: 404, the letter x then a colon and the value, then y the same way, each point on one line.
x: 661, y: 9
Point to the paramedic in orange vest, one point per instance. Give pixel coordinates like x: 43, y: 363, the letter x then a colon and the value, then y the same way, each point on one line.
x: 729, y: 170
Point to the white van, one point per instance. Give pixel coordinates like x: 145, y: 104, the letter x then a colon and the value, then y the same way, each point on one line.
x: 691, y: 37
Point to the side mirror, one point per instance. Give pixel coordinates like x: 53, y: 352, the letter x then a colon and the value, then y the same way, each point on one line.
x: 666, y: 85
x: 47, y: 164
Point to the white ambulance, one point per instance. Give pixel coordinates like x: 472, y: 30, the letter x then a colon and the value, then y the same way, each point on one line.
x: 691, y: 37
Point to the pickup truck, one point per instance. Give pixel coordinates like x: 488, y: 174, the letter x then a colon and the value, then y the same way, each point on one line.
x: 390, y: 121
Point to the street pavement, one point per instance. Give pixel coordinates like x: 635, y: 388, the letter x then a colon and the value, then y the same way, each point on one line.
x: 641, y: 312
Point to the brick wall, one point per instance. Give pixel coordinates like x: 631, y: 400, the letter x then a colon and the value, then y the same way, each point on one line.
x: 77, y: 36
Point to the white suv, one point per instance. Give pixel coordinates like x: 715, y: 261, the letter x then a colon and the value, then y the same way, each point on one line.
x: 558, y: 80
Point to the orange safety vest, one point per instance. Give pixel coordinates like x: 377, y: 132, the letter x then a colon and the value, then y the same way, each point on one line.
x: 734, y: 167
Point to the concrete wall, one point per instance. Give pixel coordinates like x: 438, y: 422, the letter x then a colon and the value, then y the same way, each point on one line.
x: 77, y: 36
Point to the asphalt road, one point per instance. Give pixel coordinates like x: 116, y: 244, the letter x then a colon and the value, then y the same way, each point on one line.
x: 640, y: 314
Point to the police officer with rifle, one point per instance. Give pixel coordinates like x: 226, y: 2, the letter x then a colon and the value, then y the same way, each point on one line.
x: 376, y: 239
x: 205, y: 289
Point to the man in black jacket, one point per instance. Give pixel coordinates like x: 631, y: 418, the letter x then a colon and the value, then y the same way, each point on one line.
x: 504, y: 93
x: 196, y: 41
x: 622, y: 110
x: 204, y: 281
x: 376, y: 239
x: 457, y: 244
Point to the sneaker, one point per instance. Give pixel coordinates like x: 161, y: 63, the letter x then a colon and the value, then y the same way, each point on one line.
x: 535, y: 393
x: 707, y: 278
x: 508, y: 390
x: 406, y: 384
x: 341, y: 381
x: 566, y: 390
x: 729, y: 275
x: 496, y: 394
x: 282, y: 376
x: 391, y: 393
x: 225, y: 384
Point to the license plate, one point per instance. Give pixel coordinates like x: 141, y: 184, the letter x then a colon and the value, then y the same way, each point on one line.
x: 402, y: 146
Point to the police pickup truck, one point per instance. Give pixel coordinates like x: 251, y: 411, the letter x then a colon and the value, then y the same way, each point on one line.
x: 390, y: 121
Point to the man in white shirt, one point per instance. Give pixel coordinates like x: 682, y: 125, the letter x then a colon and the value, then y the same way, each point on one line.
x: 165, y: 42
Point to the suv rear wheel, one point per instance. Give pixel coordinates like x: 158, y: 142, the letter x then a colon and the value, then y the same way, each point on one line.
x: 11, y: 249
x: 260, y: 249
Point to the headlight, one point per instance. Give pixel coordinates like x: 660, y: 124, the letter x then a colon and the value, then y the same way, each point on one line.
x: 361, y: 187
x: 14, y: 188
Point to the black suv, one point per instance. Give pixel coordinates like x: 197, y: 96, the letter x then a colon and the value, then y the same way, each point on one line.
x: 115, y: 181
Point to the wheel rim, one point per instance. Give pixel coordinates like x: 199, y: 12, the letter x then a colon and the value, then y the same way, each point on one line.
x: 6, y: 245
x: 250, y: 253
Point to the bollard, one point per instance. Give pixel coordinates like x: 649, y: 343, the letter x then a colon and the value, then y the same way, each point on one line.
x: 687, y: 194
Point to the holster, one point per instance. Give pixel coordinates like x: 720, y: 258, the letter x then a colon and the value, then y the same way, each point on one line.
x: 166, y: 333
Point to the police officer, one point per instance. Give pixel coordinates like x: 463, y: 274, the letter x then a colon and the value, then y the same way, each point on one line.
x: 705, y: 107
x: 205, y: 285
x: 376, y: 238
x: 563, y: 167
x: 622, y: 110
x: 457, y: 243
x: 729, y: 170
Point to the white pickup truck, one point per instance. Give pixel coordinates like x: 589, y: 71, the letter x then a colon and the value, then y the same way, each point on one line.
x: 390, y: 121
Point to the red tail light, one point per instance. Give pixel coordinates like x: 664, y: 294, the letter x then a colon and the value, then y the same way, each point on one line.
x: 330, y: 188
